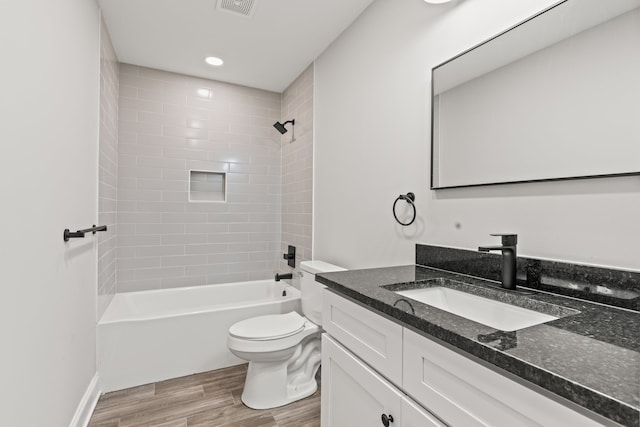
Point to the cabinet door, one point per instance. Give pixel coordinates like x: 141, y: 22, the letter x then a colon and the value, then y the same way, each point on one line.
x: 414, y: 416
x: 352, y: 393
x: 377, y: 341
x: 464, y: 393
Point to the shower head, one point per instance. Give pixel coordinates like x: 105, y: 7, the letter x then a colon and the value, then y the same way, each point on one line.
x: 280, y: 126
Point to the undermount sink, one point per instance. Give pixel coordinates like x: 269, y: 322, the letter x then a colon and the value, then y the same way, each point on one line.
x: 496, y: 314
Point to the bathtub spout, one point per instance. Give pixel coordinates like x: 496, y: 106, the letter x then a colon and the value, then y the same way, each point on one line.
x: 283, y: 276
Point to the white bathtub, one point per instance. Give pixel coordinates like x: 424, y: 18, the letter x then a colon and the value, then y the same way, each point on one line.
x: 149, y: 336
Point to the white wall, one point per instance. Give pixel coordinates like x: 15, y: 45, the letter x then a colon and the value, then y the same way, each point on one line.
x: 48, y: 164
x: 372, y: 143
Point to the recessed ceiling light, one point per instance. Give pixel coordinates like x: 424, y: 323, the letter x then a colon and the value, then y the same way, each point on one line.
x: 437, y: 1
x: 214, y: 60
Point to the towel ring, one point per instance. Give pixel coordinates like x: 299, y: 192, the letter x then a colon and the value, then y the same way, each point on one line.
x: 409, y: 198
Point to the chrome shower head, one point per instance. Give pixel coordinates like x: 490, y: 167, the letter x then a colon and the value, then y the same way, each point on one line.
x: 280, y: 126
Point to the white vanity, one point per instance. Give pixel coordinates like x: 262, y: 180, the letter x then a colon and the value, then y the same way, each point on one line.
x: 377, y: 372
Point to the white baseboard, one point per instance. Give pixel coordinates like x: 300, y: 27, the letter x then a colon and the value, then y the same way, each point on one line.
x: 87, y: 404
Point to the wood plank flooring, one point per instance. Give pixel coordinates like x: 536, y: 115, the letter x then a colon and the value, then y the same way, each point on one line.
x: 210, y: 399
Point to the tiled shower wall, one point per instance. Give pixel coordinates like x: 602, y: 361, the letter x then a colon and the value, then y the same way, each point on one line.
x: 108, y: 171
x: 171, y: 124
x: 297, y: 168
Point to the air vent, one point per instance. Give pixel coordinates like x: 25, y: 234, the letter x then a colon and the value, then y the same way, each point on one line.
x: 239, y: 7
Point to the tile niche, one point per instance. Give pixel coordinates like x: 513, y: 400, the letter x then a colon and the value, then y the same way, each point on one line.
x: 207, y: 186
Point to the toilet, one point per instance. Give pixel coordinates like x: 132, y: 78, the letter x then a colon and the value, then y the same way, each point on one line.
x: 283, y: 350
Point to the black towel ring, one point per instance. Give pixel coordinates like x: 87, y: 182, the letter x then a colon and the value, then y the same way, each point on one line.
x: 409, y: 198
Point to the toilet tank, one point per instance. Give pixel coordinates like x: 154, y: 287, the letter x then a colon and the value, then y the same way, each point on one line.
x: 311, y: 291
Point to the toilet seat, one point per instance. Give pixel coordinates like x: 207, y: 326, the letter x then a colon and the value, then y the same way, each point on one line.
x: 270, y: 327
x: 265, y: 341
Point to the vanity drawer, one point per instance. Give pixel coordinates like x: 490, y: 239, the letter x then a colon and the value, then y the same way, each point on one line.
x: 373, y: 338
x: 464, y: 393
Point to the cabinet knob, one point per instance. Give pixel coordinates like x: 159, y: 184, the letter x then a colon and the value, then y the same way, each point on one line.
x: 386, y: 419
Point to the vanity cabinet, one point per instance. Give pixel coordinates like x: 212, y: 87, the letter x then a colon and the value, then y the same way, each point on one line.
x: 363, y: 352
x: 353, y: 394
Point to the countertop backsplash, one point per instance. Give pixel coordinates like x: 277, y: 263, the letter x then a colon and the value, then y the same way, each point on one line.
x: 608, y: 286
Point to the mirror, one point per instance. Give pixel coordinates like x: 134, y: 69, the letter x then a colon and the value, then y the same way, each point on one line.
x: 555, y: 97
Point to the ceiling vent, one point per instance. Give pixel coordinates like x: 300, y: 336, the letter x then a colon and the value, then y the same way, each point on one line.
x: 238, y: 7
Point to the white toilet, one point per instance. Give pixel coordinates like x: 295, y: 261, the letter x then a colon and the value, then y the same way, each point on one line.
x: 283, y: 350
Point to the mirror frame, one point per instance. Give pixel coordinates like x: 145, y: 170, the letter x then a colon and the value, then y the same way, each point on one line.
x: 432, y: 162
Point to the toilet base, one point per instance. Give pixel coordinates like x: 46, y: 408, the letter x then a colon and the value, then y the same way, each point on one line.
x: 272, y: 384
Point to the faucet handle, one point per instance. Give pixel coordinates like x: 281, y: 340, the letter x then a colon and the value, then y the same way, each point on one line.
x: 507, y: 239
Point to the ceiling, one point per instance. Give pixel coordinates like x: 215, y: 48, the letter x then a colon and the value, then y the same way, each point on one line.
x: 266, y: 50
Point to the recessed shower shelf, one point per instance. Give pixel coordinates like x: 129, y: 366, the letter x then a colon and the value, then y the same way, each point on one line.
x: 207, y: 186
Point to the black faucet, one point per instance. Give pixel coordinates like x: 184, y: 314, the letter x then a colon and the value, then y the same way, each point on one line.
x: 508, y: 248
x: 283, y: 276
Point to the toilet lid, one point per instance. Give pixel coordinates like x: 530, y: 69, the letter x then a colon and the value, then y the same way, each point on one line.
x: 269, y: 327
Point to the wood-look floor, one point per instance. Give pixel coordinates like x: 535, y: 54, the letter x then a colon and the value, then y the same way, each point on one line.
x: 210, y: 399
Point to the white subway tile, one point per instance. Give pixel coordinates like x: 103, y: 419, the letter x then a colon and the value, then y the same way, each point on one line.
x: 139, y: 195
x: 136, y: 263
x: 198, y: 270
x: 159, y: 141
x: 227, y: 278
x: 180, y: 153
x: 248, y: 247
x: 161, y: 184
x: 164, y: 96
x: 227, y: 237
x: 183, y: 260
x: 175, y: 174
x: 187, y: 112
x: 138, y: 172
x: 207, y: 207
x: 227, y: 217
x: 226, y: 258
x: 139, y: 217
x: 174, y: 196
x: 184, y: 218
x: 159, y: 273
x: 173, y: 239
x: 207, y: 228
x: 139, y: 105
x: 159, y: 206
x: 157, y: 162
x: 139, y: 150
x: 162, y: 229
x: 184, y: 132
x: 161, y: 118
x: 207, y: 166
x: 209, y: 248
x: 183, y: 281
x: 140, y: 127
x: 155, y: 251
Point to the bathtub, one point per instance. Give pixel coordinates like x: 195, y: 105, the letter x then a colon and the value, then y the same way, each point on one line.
x: 149, y: 336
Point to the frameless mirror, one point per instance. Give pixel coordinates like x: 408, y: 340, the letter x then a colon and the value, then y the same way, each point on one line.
x: 555, y: 97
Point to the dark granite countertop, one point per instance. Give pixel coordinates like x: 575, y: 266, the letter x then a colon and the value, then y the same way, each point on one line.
x: 591, y: 357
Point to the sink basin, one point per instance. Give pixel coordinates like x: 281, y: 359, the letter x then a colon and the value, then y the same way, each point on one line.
x: 496, y: 314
